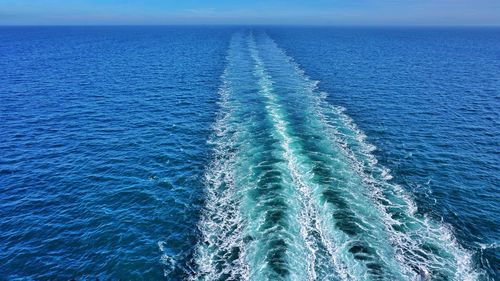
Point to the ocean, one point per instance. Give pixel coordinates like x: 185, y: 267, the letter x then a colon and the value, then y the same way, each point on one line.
x: 249, y: 153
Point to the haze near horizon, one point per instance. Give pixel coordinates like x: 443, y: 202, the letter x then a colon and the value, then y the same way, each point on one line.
x: 320, y: 12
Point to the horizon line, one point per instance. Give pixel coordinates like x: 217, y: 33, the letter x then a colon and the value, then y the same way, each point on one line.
x: 243, y: 25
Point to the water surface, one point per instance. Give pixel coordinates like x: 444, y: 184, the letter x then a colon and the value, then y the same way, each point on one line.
x: 261, y: 153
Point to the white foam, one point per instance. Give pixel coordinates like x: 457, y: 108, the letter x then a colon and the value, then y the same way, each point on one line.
x: 223, y: 199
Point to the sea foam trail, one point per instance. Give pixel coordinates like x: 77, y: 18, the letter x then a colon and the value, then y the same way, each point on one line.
x: 295, y: 193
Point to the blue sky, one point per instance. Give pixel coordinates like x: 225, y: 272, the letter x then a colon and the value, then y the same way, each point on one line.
x: 322, y: 12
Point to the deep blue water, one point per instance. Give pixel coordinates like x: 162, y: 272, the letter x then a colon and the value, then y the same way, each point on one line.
x: 149, y: 153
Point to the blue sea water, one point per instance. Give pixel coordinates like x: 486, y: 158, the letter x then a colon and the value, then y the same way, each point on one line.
x: 229, y: 153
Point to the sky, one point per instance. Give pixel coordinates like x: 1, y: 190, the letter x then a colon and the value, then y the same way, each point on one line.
x: 287, y: 12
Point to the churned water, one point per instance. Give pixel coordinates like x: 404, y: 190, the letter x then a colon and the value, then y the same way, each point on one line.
x: 228, y: 153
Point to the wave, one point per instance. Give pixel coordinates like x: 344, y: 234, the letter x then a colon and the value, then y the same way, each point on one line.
x: 294, y: 191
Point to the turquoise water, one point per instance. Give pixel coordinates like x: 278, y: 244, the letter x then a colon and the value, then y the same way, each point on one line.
x: 214, y: 154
